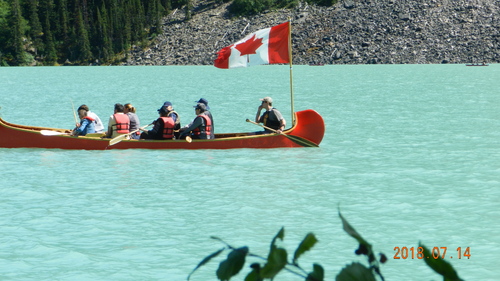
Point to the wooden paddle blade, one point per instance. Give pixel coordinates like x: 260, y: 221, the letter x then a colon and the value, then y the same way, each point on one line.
x: 301, y: 141
x: 117, y: 139
x: 52, y: 133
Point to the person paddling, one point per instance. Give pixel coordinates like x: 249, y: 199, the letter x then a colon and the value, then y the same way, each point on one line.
x: 200, y: 127
x: 163, y: 126
x: 209, y: 114
x: 86, y: 125
x: 99, y: 127
x: 271, y: 118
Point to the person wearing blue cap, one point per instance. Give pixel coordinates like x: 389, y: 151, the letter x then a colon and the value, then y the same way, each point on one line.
x: 200, y: 127
x: 209, y: 114
x: 164, y: 126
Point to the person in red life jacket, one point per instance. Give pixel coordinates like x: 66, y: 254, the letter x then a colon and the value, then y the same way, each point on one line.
x: 209, y: 114
x: 163, y: 128
x: 271, y: 118
x: 118, y: 123
x: 86, y: 126
x: 134, y: 120
x: 201, y: 126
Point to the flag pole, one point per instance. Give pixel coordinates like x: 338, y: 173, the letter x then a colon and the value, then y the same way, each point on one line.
x: 291, y: 67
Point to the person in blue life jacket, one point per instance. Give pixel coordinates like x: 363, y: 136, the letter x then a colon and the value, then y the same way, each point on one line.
x: 271, y: 118
x: 99, y: 127
x: 163, y: 127
x: 86, y: 126
x: 209, y: 114
x: 135, y: 124
x: 201, y: 126
x: 118, y: 123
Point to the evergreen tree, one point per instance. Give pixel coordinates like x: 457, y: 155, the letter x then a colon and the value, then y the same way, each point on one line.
x: 62, y: 24
x: 50, y: 50
x: 83, y: 50
x: 104, y: 34
x: 18, y: 29
x: 36, y: 31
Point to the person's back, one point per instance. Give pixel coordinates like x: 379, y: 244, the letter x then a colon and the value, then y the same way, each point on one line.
x: 135, y: 124
x: 99, y: 127
x: 209, y: 114
x: 119, y: 123
x: 87, y: 125
x: 163, y: 127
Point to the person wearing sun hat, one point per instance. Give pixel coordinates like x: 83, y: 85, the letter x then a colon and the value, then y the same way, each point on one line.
x: 271, y: 118
x: 209, y: 114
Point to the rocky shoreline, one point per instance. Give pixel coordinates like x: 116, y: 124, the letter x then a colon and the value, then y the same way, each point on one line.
x: 350, y: 32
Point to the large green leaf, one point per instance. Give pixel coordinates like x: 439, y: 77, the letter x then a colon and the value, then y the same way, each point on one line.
x: 352, y: 232
x: 439, y: 265
x: 254, y: 275
x: 276, y: 261
x: 318, y: 273
x: 205, y: 260
x: 280, y: 235
x: 355, y: 272
x: 304, y: 246
x: 233, y: 264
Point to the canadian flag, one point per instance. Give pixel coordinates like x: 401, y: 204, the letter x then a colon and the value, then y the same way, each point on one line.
x: 266, y: 46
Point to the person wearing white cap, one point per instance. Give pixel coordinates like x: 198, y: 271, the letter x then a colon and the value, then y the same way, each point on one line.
x: 271, y: 118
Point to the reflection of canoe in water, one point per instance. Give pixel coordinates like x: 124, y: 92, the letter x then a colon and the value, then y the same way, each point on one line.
x: 308, y: 131
x: 477, y: 64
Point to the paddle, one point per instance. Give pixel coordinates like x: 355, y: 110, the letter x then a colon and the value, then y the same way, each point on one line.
x: 296, y: 139
x: 119, y: 138
x: 52, y: 133
x: 74, y: 113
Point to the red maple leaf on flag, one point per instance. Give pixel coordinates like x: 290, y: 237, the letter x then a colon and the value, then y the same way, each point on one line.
x: 250, y: 46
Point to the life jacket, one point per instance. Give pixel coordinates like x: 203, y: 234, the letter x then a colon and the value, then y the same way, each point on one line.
x: 122, y: 123
x: 208, y: 126
x: 168, y: 127
x: 177, y: 121
x: 273, y: 124
x: 89, y: 118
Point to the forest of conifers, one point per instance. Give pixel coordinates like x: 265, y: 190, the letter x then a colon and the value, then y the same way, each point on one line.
x: 75, y: 31
x: 82, y: 32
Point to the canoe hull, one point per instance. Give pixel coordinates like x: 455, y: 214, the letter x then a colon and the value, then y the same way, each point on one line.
x: 309, y: 126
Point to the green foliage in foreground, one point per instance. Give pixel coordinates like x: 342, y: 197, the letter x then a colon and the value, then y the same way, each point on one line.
x: 277, y: 261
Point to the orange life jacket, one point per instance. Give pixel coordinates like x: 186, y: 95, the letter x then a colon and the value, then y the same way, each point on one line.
x: 168, y: 127
x: 122, y: 123
x: 208, y: 126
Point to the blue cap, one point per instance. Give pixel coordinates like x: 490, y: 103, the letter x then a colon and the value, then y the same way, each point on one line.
x: 205, y: 102
x: 164, y: 106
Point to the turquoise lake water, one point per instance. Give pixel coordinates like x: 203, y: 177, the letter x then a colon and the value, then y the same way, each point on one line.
x: 411, y: 153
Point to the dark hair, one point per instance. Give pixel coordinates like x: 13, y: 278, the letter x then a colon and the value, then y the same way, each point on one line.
x: 119, y: 107
x: 84, y: 111
x: 84, y: 107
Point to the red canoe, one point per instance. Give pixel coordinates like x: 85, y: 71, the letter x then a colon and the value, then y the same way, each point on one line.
x: 308, y: 131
